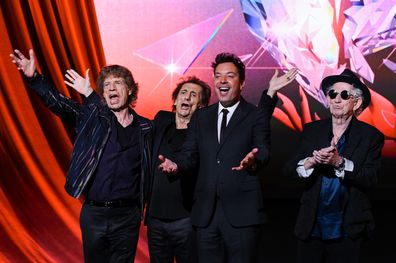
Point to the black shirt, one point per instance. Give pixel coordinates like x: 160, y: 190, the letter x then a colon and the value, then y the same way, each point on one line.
x: 118, y: 173
x: 171, y: 197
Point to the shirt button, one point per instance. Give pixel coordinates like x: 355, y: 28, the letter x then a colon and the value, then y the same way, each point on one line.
x: 218, y: 161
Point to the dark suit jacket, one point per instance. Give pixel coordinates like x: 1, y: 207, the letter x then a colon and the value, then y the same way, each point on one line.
x: 363, y: 148
x: 239, y: 191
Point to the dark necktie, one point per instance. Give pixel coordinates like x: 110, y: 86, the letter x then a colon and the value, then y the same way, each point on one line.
x: 223, y: 123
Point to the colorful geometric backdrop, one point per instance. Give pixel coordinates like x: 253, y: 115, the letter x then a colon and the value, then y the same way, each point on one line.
x: 160, y: 41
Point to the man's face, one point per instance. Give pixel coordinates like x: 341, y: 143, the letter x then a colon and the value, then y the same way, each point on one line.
x: 116, y: 92
x: 341, y: 101
x: 228, y: 86
x: 188, y: 100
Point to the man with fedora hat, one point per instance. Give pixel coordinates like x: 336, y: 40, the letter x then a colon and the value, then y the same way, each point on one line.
x: 338, y: 159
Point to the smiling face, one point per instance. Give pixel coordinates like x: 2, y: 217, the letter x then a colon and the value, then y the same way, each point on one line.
x: 188, y: 100
x: 228, y: 85
x: 343, y: 107
x: 116, y: 92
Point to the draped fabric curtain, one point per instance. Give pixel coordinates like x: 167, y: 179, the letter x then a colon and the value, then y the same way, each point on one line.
x: 38, y: 220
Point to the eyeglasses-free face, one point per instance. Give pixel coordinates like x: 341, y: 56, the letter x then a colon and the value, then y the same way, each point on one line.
x: 345, y: 95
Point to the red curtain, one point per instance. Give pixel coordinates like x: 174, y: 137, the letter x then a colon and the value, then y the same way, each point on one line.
x: 39, y: 222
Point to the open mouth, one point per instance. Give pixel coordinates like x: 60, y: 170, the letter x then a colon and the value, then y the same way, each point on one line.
x: 224, y: 90
x: 185, y: 106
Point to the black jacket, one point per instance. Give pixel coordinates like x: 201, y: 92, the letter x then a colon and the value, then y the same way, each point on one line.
x: 92, y: 122
x: 363, y: 148
x: 162, y: 122
x: 240, y: 191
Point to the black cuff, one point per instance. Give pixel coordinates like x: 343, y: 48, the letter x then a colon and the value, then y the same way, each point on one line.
x: 33, y: 78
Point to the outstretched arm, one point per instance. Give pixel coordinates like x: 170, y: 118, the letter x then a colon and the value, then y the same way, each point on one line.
x: 62, y: 106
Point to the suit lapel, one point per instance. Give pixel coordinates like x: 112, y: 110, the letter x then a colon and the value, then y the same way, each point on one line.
x: 324, y: 141
x: 162, y: 126
x: 239, y: 114
x: 210, y: 124
x: 354, y: 137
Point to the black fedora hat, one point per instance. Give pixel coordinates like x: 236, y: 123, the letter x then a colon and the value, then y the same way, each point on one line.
x: 348, y: 76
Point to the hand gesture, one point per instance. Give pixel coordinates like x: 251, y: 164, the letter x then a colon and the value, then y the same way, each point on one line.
x: 167, y: 166
x: 328, y: 155
x: 276, y: 83
x: 248, y: 161
x: 27, y: 66
x: 78, y: 83
x: 310, y: 162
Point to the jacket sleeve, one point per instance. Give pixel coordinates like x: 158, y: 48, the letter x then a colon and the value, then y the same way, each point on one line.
x: 366, y: 168
x: 262, y: 131
x: 66, y: 108
x: 267, y: 104
x: 188, y: 158
x: 93, y: 98
x: 304, y: 150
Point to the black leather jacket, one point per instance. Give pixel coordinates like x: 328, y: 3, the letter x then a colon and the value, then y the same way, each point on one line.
x: 92, y: 122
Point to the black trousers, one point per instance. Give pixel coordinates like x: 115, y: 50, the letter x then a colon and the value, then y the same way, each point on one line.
x: 315, y: 250
x: 109, y: 234
x: 170, y: 240
x: 221, y: 242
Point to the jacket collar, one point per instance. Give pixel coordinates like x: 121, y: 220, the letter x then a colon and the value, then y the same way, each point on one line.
x: 239, y: 114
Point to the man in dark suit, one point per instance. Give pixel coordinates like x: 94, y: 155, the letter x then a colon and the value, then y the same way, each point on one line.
x: 169, y: 229
x: 338, y: 159
x: 228, y: 143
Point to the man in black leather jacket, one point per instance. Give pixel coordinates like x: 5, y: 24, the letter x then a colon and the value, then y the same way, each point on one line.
x: 110, y: 160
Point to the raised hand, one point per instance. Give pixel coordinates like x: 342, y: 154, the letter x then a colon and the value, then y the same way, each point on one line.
x: 166, y: 165
x: 78, y: 83
x: 24, y: 64
x: 276, y: 83
x: 249, y: 160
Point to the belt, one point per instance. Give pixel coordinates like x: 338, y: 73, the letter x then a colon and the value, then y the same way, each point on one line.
x: 112, y: 204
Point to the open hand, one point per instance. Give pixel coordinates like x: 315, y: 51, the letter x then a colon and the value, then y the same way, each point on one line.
x: 276, y: 83
x: 24, y: 64
x: 78, y: 83
x: 248, y: 161
x: 166, y: 165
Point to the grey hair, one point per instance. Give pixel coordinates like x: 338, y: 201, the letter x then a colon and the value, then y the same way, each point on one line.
x: 357, y: 93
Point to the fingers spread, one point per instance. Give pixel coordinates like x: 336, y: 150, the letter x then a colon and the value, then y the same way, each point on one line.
x: 68, y: 76
x: 68, y: 83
